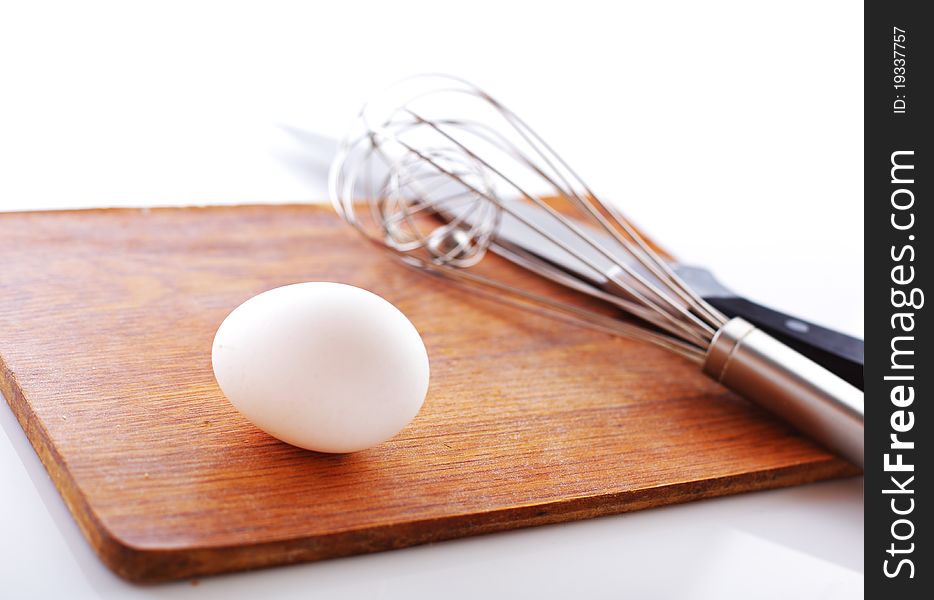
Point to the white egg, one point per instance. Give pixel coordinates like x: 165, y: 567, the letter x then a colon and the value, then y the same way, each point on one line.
x: 324, y: 366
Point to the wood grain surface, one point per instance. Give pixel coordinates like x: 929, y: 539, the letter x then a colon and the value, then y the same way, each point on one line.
x: 106, y: 324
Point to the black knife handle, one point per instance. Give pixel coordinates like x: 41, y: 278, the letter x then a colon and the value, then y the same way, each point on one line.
x: 835, y: 351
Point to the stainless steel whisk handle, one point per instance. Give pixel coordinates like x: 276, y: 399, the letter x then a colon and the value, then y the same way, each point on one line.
x: 769, y: 373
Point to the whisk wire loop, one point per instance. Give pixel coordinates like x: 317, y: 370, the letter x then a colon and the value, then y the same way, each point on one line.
x: 438, y: 190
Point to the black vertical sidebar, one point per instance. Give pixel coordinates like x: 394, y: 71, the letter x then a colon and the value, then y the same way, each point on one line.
x: 899, y: 369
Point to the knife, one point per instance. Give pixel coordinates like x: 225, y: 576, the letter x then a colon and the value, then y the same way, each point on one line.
x: 837, y: 352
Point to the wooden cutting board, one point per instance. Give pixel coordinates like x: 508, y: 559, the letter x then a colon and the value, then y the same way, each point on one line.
x: 106, y: 324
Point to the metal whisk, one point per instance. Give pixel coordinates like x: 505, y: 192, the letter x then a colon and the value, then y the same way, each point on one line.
x: 442, y: 189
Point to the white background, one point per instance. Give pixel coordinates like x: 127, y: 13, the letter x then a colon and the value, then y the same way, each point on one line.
x: 731, y: 131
